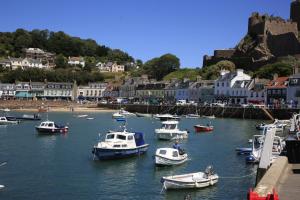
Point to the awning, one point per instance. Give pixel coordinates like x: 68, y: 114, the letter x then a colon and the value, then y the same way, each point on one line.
x: 23, y: 95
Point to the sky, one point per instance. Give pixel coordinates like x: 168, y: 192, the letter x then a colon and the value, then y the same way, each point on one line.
x: 145, y: 29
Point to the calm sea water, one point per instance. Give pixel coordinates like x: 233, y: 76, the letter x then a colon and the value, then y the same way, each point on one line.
x: 61, y: 167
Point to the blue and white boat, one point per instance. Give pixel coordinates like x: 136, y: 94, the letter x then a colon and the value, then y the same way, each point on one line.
x: 120, y: 144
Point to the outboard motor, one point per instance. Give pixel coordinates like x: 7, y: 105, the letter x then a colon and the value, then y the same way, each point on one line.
x: 209, y: 171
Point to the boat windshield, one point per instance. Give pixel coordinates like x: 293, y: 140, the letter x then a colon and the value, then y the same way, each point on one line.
x: 121, y: 137
x: 162, y: 152
x: 175, y: 153
x: 110, y: 136
x: 169, y: 126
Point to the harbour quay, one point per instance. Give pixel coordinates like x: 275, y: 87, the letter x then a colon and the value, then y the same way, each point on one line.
x: 223, y: 112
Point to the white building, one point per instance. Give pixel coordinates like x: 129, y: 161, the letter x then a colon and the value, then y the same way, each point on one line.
x: 76, y: 61
x: 54, y: 90
x: 23, y: 63
x: 110, y: 67
x: 232, y: 87
x: 93, y: 91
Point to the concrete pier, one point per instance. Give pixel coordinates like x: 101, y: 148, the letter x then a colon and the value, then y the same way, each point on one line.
x: 226, y: 112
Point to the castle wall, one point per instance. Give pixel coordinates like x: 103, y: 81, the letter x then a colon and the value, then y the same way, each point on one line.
x: 226, y: 53
x: 283, y: 44
x: 295, y: 12
x: 278, y: 27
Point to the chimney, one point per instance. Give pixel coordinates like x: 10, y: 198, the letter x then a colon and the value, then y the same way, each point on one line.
x: 275, y: 76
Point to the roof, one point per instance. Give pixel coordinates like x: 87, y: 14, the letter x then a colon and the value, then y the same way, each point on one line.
x: 280, y: 82
x: 239, y: 84
x: 80, y: 59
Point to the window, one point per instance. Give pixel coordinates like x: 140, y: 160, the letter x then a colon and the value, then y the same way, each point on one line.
x: 222, y: 84
x: 124, y: 145
x: 256, y: 94
x: 130, y: 137
x: 218, y: 84
x: 117, y: 145
x: 121, y: 137
x: 162, y: 152
x: 175, y: 153
x: 50, y: 125
x: 110, y: 136
x: 269, y: 91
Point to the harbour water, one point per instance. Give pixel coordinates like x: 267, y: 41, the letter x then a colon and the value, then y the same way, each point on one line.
x: 62, y: 166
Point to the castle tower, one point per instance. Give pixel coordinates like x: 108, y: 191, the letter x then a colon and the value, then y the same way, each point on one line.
x: 295, y: 12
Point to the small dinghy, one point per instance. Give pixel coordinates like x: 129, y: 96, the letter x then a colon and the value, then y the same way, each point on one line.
x: 82, y: 116
x: 202, y: 128
x: 170, y: 156
x: 90, y: 118
x: 192, y: 180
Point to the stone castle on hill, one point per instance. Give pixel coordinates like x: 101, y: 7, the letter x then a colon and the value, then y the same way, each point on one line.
x: 268, y: 37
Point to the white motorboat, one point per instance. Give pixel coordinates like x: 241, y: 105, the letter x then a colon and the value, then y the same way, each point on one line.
x: 117, y: 115
x: 170, y: 131
x: 257, y: 146
x: 125, y: 113
x: 192, y: 116
x: 1, y: 187
x: 143, y: 115
x: 120, y: 144
x: 209, y: 116
x: 192, y: 180
x: 82, y: 116
x: 170, y: 156
x: 165, y: 117
x: 5, y: 121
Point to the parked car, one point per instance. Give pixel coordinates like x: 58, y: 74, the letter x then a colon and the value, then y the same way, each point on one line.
x: 103, y: 102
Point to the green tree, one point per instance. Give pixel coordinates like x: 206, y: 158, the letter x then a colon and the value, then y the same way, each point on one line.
x: 160, y: 67
x: 60, y: 61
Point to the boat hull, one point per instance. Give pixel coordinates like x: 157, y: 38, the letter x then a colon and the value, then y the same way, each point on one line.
x: 169, y: 183
x: 51, y: 131
x: 163, y: 161
x: 203, y: 128
x: 108, y: 154
x: 171, y: 136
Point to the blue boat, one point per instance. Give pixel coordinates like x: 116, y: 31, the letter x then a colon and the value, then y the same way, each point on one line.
x: 243, y: 150
x: 120, y: 145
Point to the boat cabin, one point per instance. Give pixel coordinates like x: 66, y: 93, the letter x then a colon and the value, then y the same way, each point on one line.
x: 168, y: 152
x: 125, y: 139
x: 3, y: 119
x: 169, y: 125
x: 47, y: 124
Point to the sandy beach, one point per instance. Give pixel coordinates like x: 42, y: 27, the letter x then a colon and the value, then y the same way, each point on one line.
x: 51, y: 106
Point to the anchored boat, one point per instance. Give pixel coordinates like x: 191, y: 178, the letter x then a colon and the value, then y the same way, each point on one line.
x: 5, y: 121
x: 202, y: 128
x: 170, y: 156
x: 192, y: 180
x: 49, y: 127
x: 120, y: 144
x: 165, y: 117
x: 170, y: 131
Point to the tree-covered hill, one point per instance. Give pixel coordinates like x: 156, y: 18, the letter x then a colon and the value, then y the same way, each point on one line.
x: 13, y: 44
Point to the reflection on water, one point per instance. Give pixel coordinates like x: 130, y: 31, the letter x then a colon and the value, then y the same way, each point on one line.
x: 63, y: 164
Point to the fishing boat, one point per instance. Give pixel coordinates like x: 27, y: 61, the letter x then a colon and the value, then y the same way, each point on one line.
x: 170, y: 156
x: 120, y: 144
x: 191, y: 180
x: 202, y: 128
x: 49, y: 127
x: 25, y: 117
x: 165, y: 117
x: 170, y: 131
x: 90, y: 118
x: 5, y: 121
x: 143, y: 114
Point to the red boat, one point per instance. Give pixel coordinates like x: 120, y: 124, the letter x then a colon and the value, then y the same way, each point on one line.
x: 201, y: 128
